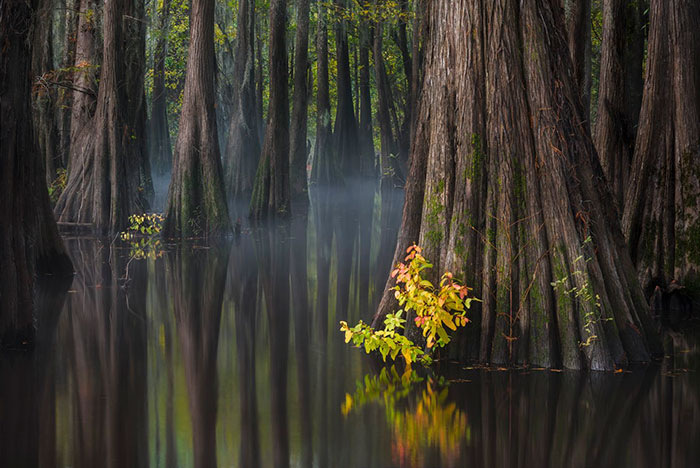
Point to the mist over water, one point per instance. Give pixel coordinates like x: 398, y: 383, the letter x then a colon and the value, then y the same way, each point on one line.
x: 229, y: 354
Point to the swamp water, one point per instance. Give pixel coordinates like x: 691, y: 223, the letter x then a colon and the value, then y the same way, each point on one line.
x: 230, y: 356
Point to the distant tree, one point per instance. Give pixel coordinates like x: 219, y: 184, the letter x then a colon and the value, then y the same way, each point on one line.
x: 322, y: 170
x: 29, y: 240
x: 271, y: 189
x: 298, y: 147
x: 662, y: 213
x: 196, y: 197
x: 243, y: 147
x: 160, y: 152
x: 508, y: 194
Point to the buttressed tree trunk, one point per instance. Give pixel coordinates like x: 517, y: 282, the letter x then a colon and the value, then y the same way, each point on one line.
x: 160, y: 152
x: 243, y: 147
x: 322, y: 166
x: 196, y: 198
x: 271, y: 190
x: 298, y: 148
x: 619, y: 92
x: 345, y: 135
x: 106, y: 181
x: 86, y: 66
x: 507, y: 193
x: 662, y: 217
x: 29, y: 240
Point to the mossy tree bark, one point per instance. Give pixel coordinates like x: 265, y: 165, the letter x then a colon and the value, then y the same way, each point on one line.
x: 508, y: 194
x: 662, y: 217
x: 196, y: 198
x: 271, y: 189
x: 160, y: 151
x: 620, y: 91
x: 109, y: 175
x: 298, y: 148
x: 29, y: 240
x: 243, y: 146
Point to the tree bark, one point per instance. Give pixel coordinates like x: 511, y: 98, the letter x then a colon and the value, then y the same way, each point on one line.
x: 160, y: 151
x: 661, y: 219
x: 45, y: 115
x: 65, y: 96
x: 29, y: 240
x: 243, y: 147
x: 298, y: 147
x: 322, y: 171
x: 196, y: 198
x: 86, y: 65
x: 578, y: 25
x: 508, y: 194
x: 367, y: 163
x: 618, y: 98
x: 271, y: 189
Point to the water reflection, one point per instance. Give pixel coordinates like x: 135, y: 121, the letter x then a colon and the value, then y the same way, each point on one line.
x: 230, y: 355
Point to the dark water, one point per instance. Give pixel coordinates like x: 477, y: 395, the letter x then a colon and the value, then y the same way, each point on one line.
x: 230, y: 355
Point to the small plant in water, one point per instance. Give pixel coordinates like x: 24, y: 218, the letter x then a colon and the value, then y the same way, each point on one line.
x: 142, y: 235
x: 437, y: 310
x: 57, y: 186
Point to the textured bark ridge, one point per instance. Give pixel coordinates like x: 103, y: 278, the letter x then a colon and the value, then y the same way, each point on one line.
x: 243, y: 146
x: 109, y: 175
x: 506, y: 191
x: 196, y: 199
x: 662, y: 212
x: 620, y: 91
x: 29, y: 240
x: 298, y: 149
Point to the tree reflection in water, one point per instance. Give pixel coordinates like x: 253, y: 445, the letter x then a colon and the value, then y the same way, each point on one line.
x: 231, y: 356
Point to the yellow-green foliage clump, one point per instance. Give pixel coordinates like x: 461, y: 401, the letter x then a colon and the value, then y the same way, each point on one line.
x: 436, y: 309
x: 142, y: 235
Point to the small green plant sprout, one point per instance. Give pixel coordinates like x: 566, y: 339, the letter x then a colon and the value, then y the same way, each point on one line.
x: 58, y: 185
x: 436, y: 310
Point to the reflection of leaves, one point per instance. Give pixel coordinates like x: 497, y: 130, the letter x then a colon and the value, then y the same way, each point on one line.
x: 428, y: 421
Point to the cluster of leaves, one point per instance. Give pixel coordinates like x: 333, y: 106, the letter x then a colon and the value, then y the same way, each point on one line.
x: 566, y: 285
x: 436, y: 310
x: 58, y: 185
x: 142, y: 235
x: 388, y: 384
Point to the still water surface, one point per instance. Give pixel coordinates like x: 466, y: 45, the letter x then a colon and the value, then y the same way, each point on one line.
x: 230, y: 356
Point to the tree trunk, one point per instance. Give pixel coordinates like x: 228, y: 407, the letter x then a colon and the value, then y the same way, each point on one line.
x: 345, y: 135
x: 29, y: 240
x: 322, y: 171
x: 45, y: 115
x: 390, y: 170
x: 243, y: 147
x: 107, y: 180
x: 84, y: 79
x: 298, y: 147
x: 578, y: 26
x: 271, y: 189
x: 508, y: 194
x: 65, y: 95
x: 367, y: 163
x: 160, y: 151
x: 618, y: 98
x: 661, y: 219
x: 196, y: 199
